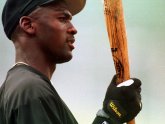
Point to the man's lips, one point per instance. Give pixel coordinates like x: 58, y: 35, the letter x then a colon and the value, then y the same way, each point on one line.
x: 70, y: 42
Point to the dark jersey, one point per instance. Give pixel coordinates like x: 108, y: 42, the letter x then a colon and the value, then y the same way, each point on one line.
x: 28, y: 97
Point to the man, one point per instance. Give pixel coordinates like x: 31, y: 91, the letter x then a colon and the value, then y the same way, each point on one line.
x: 43, y: 36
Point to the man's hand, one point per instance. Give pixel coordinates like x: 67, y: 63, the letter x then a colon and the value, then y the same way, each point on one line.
x: 123, y: 101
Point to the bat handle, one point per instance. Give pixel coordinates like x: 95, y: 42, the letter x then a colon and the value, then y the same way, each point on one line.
x: 131, y: 122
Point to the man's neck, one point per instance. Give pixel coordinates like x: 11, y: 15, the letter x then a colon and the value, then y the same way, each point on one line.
x: 46, y: 69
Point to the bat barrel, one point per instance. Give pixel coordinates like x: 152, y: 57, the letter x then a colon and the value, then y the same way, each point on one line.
x: 114, y: 17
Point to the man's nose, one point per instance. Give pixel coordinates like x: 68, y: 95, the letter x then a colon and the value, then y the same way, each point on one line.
x: 72, y: 30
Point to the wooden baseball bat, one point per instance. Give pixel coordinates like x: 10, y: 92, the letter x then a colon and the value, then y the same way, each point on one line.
x: 113, y: 11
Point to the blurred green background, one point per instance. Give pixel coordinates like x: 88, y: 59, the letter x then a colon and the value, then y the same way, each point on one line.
x: 83, y: 81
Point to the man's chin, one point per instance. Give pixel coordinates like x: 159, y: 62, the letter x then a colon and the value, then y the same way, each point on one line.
x: 63, y: 60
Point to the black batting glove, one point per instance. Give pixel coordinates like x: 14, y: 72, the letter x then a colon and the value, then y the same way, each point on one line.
x: 123, y: 101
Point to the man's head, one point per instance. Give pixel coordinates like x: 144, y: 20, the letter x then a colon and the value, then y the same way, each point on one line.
x: 15, y: 9
x: 41, y: 29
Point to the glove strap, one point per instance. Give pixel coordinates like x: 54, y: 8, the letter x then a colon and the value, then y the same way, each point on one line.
x: 101, y: 113
x: 103, y: 118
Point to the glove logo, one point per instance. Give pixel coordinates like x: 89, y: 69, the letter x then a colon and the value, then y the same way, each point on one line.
x: 115, y: 109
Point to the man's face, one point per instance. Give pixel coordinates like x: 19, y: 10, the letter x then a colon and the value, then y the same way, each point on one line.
x: 55, y: 32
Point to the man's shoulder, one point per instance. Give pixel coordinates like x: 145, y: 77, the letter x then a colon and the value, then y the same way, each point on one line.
x: 25, y: 84
x: 24, y: 77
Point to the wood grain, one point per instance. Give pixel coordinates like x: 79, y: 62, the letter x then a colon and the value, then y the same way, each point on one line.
x: 114, y: 17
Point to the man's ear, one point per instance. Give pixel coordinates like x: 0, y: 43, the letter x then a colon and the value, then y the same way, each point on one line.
x: 26, y: 24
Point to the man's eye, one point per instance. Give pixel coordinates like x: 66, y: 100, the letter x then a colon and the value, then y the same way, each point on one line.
x: 63, y: 19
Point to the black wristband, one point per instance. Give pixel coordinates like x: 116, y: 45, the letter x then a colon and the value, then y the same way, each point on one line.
x: 103, y: 118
